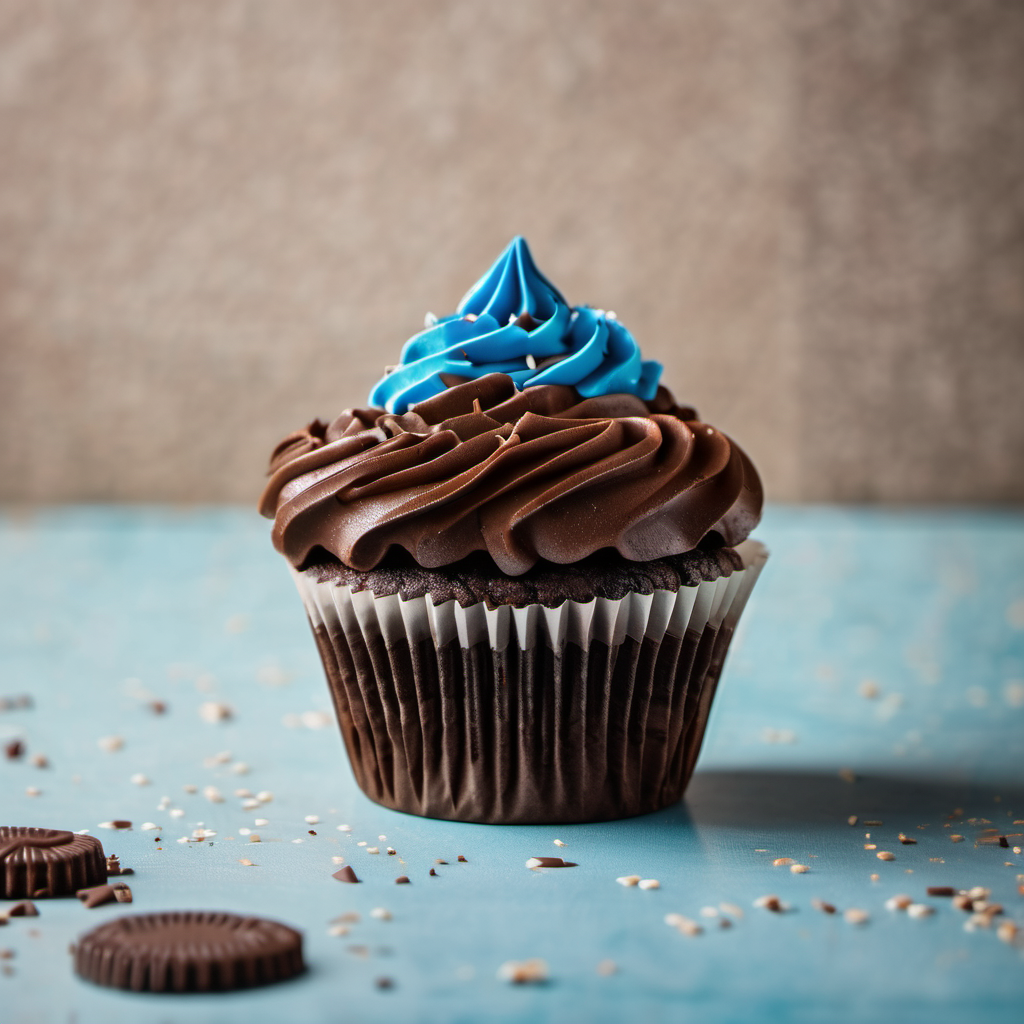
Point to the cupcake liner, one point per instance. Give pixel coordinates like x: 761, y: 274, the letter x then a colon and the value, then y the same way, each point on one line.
x: 585, y: 712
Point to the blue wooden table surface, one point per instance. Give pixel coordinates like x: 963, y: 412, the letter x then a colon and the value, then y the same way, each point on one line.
x: 882, y: 647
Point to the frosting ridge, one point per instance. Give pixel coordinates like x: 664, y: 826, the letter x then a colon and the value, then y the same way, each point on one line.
x: 542, y: 473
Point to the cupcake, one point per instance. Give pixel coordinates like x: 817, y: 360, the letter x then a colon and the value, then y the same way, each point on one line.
x: 522, y: 564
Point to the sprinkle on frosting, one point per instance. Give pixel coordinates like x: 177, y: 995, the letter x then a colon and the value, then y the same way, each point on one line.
x: 516, y: 322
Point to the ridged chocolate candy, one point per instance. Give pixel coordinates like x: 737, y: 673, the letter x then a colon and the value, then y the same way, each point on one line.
x: 39, y: 862
x: 189, y: 951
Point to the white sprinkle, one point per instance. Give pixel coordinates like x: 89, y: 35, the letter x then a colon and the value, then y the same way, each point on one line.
x: 264, y: 796
x: 558, y: 842
x: 337, y: 860
x: 149, y: 826
x: 190, y: 787
x: 312, y: 819
x: 920, y: 910
x: 82, y: 832
x: 648, y: 883
x: 731, y: 908
x: 297, y: 841
x: 316, y: 719
x: 213, y: 794
x: 240, y: 768
x: 531, y: 362
x: 33, y: 791
x: 110, y: 743
x: 709, y: 911
x: 222, y: 758
x: 856, y: 916
x: 360, y: 843
x: 381, y: 914
x: 799, y: 869
x: 1007, y: 932
x: 108, y: 824
x: 165, y: 802
x: 139, y: 779
x: 251, y: 804
x: 344, y: 828
x: 243, y: 831
x: 260, y: 822
x: 373, y: 849
x: 203, y: 833
x: 240, y: 793
x: 523, y: 972
x: 628, y: 880
x: 337, y: 930
x: 979, y: 892
x: 213, y: 711
x: 684, y: 925
x: 901, y: 902
x: 976, y: 921
x: 382, y: 838
x: 176, y: 812
x: 183, y: 839
x: 429, y: 320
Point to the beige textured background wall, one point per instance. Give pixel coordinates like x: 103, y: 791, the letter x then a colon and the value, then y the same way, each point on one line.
x: 218, y: 220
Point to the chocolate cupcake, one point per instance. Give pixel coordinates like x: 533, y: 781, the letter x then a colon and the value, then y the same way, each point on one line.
x: 523, y: 566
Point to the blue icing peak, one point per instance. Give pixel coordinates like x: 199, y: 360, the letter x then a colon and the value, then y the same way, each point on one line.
x: 515, y: 321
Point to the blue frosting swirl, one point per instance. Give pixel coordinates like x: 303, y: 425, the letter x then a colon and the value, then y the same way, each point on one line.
x: 515, y: 321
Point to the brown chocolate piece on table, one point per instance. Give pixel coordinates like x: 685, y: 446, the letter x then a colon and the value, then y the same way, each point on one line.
x: 941, y: 890
x: 97, y: 895
x: 345, y: 874
x: 189, y: 951
x: 26, y: 908
x: 14, y: 749
x: 38, y: 862
x: 549, y: 862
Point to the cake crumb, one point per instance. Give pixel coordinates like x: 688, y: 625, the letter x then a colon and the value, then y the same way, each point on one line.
x: 524, y: 972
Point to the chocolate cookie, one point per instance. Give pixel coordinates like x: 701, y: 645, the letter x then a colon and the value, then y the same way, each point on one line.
x: 189, y: 951
x: 37, y: 862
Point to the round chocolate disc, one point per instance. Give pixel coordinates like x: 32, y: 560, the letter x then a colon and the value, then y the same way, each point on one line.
x: 37, y: 862
x: 189, y: 951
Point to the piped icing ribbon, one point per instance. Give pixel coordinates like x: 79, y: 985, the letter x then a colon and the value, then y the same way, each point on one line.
x: 514, y: 321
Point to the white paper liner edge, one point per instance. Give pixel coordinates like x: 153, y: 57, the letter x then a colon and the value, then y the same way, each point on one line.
x: 637, y: 616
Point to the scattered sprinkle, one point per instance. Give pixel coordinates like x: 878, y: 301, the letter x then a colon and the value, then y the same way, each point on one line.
x: 799, y: 869
x: 176, y: 812
x: 261, y: 822
x: 825, y: 908
x: 684, y: 925
x: 264, y: 796
x: 312, y: 819
x: 856, y: 916
x: 110, y: 744
x: 772, y: 903
x: 118, y: 824
x: 373, y: 849
x: 33, y: 791
x: 248, y: 863
x: 628, y: 880
x: 920, y: 910
x: 900, y: 902
x: 885, y: 855
x: 344, y: 828
x: 380, y: 914
x: 524, y: 972
x: 781, y: 862
x: 213, y: 711
x: 648, y: 883
x: 558, y: 842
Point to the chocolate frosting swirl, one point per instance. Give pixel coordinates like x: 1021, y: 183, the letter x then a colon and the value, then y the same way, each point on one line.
x: 531, y: 475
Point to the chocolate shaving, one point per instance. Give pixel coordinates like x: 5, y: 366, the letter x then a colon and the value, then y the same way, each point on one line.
x: 549, y: 862
x: 941, y: 890
x: 14, y: 750
x: 26, y: 908
x: 345, y: 874
x: 97, y: 895
x: 402, y: 880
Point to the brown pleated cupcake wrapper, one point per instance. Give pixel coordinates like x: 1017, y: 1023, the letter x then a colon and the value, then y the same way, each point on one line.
x: 586, y: 712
